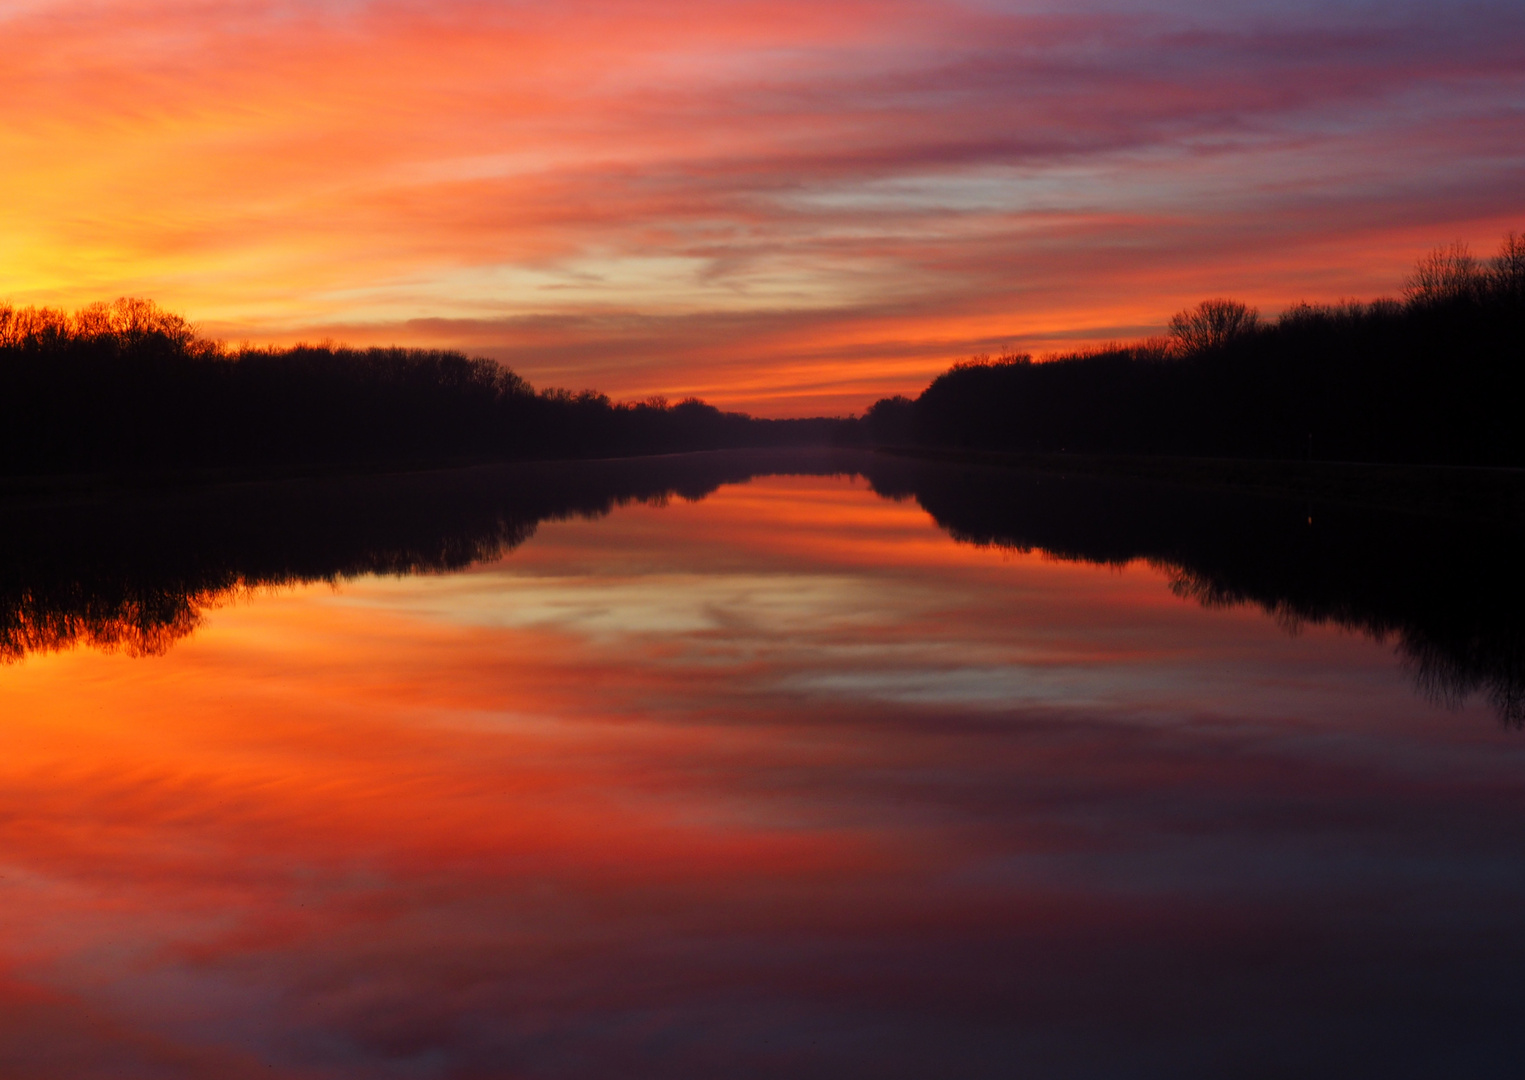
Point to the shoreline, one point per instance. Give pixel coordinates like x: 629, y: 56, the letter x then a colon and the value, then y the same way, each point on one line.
x: 45, y: 487
x: 1476, y: 494
x: 1479, y: 494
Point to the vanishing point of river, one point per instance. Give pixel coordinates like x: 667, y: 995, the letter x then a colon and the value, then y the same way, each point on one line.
x: 777, y: 765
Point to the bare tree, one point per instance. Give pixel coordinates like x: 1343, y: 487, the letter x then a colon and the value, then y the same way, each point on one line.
x: 131, y: 319
x: 1210, y: 324
x: 32, y: 326
x: 1508, y: 266
x: 1447, y: 273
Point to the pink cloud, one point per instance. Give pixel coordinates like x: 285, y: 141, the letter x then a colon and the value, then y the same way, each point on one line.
x: 888, y: 184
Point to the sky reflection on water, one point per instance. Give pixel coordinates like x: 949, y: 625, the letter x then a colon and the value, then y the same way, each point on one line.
x: 783, y: 782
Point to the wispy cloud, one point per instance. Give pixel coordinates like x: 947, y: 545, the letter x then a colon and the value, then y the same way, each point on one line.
x: 600, y: 190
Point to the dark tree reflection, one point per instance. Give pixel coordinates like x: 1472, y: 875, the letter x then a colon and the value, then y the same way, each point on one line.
x: 135, y: 571
x: 1450, y: 595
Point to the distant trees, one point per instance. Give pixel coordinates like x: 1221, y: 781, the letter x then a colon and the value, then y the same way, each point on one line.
x: 891, y: 421
x: 127, y: 385
x: 125, y: 324
x: 1445, y: 274
x: 1508, y: 269
x: 1450, y: 274
x: 1211, y: 325
x: 1438, y: 377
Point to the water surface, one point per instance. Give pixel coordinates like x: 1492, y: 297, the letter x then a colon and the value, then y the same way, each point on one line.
x: 792, y: 765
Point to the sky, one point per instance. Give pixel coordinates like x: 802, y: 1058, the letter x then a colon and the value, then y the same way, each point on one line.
x: 791, y: 207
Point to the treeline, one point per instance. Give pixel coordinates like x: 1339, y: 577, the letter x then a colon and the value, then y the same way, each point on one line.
x: 1438, y: 377
x: 129, y: 386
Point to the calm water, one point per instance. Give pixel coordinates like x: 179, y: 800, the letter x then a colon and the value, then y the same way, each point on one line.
x: 792, y: 766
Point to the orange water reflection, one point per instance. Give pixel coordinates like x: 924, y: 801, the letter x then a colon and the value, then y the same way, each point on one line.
x: 782, y: 782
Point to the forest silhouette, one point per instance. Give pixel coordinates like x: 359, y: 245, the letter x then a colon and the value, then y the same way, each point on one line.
x: 1437, y: 378
x: 127, y: 386
x: 137, y: 571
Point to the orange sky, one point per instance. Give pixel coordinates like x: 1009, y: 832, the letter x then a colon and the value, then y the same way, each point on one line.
x: 784, y: 206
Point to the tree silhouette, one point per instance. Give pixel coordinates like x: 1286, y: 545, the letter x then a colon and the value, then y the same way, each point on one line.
x: 128, y: 386
x: 1211, y: 325
x: 1437, y: 379
x: 1445, y: 274
x: 1508, y: 268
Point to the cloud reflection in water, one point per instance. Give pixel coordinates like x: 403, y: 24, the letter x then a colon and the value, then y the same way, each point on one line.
x: 783, y: 782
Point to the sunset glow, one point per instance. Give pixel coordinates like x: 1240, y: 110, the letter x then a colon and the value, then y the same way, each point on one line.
x: 785, y: 775
x: 784, y: 206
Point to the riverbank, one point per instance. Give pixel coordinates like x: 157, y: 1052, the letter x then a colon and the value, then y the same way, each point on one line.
x: 19, y: 490
x: 1481, y: 495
